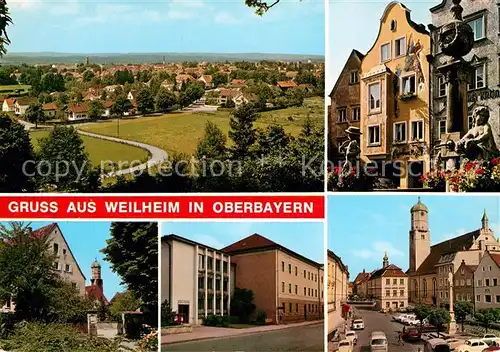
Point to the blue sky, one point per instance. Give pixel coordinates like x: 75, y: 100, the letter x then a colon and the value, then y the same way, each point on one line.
x: 86, y: 239
x: 305, y: 238
x: 354, y: 24
x: 360, y: 231
x: 121, y: 26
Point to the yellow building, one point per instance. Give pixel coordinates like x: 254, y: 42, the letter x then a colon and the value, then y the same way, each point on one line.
x: 337, y: 289
x: 395, y: 99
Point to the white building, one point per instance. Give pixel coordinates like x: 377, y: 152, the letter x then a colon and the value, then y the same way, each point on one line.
x: 197, y: 280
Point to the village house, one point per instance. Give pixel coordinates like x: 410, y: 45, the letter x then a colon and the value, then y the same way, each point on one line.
x: 487, y: 276
x: 206, y: 80
x: 9, y: 105
x: 286, y: 85
x: 167, y: 85
x: 107, y: 108
x: 112, y: 88
x: 78, y: 112
x: 360, y: 284
x: 21, y: 105
x: 227, y: 94
x: 183, y: 78
x: 132, y: 95
x: 245, y: 98
x: 464, y: 282
x: 50, y: 110
x: 238, y: 83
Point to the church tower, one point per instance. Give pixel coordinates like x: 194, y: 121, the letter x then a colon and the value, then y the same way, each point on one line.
x: 385, y: 263
x: 420, y: 237
x: 96, y: 275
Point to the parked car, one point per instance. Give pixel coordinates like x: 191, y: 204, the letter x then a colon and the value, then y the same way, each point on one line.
x: 406, y: 318
x: 345, y: 346
x: 472, y: 345
x: 436, y: 345
x: 397, y: 317
x: 413, y: 322
x: 454, y: 342
x: 351, y: 335
x: 412, y: 334
x: 492, y: 348
x: 358, y: 324
x: 491, y: 339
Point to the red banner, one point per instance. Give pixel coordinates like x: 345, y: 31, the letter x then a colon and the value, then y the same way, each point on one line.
x: 161, y: 207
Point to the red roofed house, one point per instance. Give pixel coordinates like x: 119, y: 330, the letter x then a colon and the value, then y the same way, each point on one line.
x: 227, y: 94
x: 389, y: 287
x: 285, y: 85
x: 238, y: 83
x: 9, y: 105
x: 22, y: 104
x: 286, y: 285
x: 360, y: 284
x: 206, y: 80
x: 50, y: 109
x: 96, y: 289
x: 78, y: 112
x: 183, y: 78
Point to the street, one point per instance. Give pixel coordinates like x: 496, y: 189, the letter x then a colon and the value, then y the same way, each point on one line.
x: 375, y: 321
x: 308, y: 338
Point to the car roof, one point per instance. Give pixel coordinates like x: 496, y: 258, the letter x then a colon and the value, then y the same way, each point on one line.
x: 378, y: 333
x: 345, y: 340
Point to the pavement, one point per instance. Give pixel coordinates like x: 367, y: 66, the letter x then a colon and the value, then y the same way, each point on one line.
x: 376, y: 321
x: 292, y: 337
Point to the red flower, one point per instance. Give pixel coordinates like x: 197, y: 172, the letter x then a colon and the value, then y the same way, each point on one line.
x: 480, y: 171
x: 469, y: 166
x: 495, y: 161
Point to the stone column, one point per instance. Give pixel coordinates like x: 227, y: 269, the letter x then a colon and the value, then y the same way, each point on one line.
x: 206, y: 282
x: 452, y: 326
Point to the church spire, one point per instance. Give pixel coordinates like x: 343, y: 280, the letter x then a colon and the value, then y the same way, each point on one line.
x: 484, y: 220
x: 386, y: 261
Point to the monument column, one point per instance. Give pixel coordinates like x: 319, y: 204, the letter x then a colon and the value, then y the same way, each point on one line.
x: 452, y: 326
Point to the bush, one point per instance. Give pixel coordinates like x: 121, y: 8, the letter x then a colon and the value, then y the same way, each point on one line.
x: 149, y: 343
x: 35, y: 337
x: 261, y: 318
x: 216, y: 320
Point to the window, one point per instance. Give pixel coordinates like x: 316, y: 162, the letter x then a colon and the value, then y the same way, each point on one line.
x: 305, y: 292
x: 56, y: 248
x: 477, y: 26
x: 387, y: 293
x: 64, y: 251
x: 400, y: 47
x: 497, y: 298
x: 394, y: 293
x: 495, y: 282
x: 304, y: 274
x: 283, y: 266
x: 486, y: 282
x: 290, y: 307
x: 289, y: 288
x: 385, y: 52
x: 478, y: 298
x: 374, y: 134
x: 374, y: 97
x: 67, y: 268
x: 315, y: 277
x: 387, y: 305
x: 217, y: 264
x: 401, y: 281
x: 442, y: 91
x: 308, y: 291
x: 315, y: 293
x: 289, y: 268
x: 282, y: 287
x: 479, y: 283
x: 441, y: 127
x: 210, y: 284
x: 395, y: 281
x: 468, y: 282
x: 487, y: 298
x: 399, y: 132
x: 308, y: 275
x: 478, y: 77
x: 201, y: 261
x: 296, y: 307
x: 354, y: 77
x: 295, y: 271
x: 462, y: 282
x: 201, y: 283
x: 409, y: 85
x: 56, y: 265
x: 356, y: 113
x: 296, y: 289
x: 417, y: 130
x: 387, y: 281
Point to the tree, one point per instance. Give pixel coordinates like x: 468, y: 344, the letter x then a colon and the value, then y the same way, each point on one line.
x: 132, y: 251
x: 487, y: 316
x: 121, y: 106
x: 145, y: 102
x: 213, y: 144
x: 66, y: 165
x: 4, y: 23
x: 16, y: 151
x: 219, y: 78
x: 124, y: 302
x: 421, y: 312
x: 242, y: 304
x: 439, y: 317
x: 35, y: 114
x: 27, y: 274
x: 165, y: 100
x: 167, y: 315
x: 242, y: 132
x: 88, y: 76
x: 462, y: 310
x: 96, y: 109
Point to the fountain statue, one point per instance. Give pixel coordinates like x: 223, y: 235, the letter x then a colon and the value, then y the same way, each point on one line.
x: 452, y: 326
x: 351, y: 149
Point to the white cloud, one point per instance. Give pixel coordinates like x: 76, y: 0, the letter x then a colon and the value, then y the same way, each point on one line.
x: 27, y: 5
x: 226, y: 18
x: 208, y: 241
x: 377, y: 251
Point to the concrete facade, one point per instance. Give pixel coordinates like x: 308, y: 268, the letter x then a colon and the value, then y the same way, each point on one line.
x: 487, y: 280
x: 197, y: 279
x: 483, y: 16
x: 337, y: 289
x: 395, y: 99
x: 345, y: 108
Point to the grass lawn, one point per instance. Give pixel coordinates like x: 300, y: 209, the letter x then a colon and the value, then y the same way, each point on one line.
x: 180, y: 132
x: 14, y: 87
x: 101, y: 150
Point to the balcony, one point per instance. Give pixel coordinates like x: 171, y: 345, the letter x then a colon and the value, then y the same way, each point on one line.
x: 226, y: 274
x: 201, y: 271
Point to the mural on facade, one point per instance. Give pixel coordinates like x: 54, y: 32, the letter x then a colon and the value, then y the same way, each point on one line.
x: 412, y: 62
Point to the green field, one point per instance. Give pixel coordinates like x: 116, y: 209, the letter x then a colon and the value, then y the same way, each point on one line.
x: 101, y: 150
x: 180, y: 132
x: 14, y: 87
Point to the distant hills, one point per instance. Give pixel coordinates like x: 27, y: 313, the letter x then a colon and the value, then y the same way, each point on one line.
x: 143, y: 58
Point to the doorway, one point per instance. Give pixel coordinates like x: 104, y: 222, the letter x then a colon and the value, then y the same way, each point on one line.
x: 415, y: 171
x: 183, y: 311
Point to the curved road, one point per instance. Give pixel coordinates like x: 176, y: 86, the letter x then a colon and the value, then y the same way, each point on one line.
x: 157, y: 155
